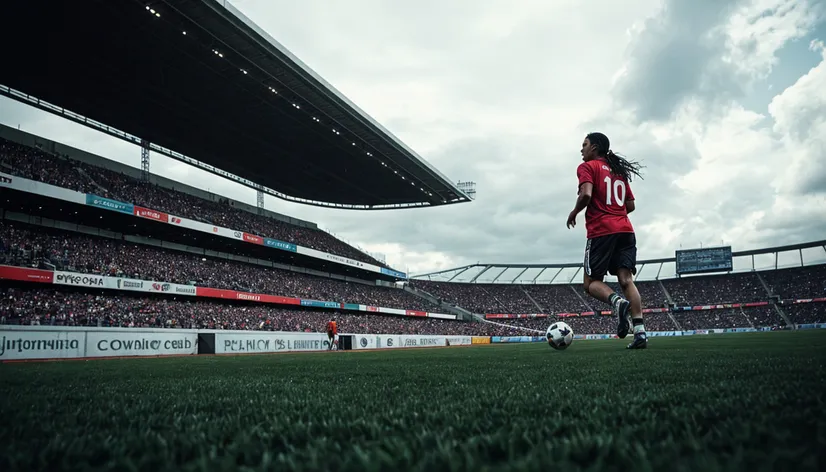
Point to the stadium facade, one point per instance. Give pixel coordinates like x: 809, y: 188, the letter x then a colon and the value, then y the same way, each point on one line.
x: 199, y: 82
x: 772, y: 258
x: 87, y: 242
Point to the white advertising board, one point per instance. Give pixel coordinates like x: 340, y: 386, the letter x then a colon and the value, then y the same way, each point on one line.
x: 384, y: 341
x: 119, y: 283
x: 61, y: 342
x: 113, y: 344
x: 264, y: 341
x: 42, y: 343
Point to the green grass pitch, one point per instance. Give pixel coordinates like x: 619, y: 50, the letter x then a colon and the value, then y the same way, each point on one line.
x: 747, y: 402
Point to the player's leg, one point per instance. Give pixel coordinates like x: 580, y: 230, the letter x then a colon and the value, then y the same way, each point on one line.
x: 330, y: 340
x: 598, y: 254
x: 623, y: 265
x: 629, y: 289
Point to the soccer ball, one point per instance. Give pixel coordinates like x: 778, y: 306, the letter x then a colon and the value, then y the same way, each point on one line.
x: 560, y: 335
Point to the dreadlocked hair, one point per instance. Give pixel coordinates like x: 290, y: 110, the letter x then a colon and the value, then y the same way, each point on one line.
x: 618, y: 163
x: 622, y: 166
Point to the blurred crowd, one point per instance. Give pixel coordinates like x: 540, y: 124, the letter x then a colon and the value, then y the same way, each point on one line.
x: 527, y: 298
x: 36, y: 164
x: 26, y: 245
x: 33, y: 246
x: 33, y: 306
x: 38, y: 306
x: 799, y: 282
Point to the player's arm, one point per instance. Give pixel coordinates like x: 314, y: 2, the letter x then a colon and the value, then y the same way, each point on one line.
x: 630, y: 204
x: 586, y: 189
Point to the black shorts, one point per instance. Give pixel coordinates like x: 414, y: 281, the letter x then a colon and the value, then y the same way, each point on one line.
x: 330, y: 334
x: 609, y: 253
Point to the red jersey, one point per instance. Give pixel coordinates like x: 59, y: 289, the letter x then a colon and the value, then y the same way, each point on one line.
x: 606, y: 214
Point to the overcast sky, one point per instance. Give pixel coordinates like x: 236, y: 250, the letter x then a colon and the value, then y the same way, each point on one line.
x: 723, y: 101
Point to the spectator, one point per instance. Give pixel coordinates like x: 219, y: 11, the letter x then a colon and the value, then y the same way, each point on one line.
x: 35, y: 164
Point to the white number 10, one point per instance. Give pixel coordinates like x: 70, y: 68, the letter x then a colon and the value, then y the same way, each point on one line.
x: 618, y: 191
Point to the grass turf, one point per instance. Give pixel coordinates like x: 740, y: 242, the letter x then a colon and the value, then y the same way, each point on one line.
x: 712, y: 403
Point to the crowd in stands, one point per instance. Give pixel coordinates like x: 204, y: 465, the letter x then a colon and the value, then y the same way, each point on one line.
x: 36, y: 164
x: 24, y: 245
x: 39, y: 306
x: 800, y: 282
x: 806, y: 313
x: 797, y: 282
x: 531, y: 298
x: 729, y: 288
x: 36, y: 306
x: 105, y: 308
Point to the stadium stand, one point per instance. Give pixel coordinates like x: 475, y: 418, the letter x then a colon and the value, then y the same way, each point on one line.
x: 31, y: 246
x: 87, y: 308
x: 61, y: 171
x: 26, y: 245
x: 729, y: 288
x: 525, y: 298
x: 797, y: 282
x: 807, y: 313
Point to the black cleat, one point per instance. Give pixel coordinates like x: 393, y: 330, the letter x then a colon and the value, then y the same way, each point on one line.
x: 622, y: 307
x: 640, y: 342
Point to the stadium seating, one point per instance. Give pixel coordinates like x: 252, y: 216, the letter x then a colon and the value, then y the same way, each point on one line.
x: 35, y: 164
x: 729, y: 288
x: 72, y: 308
x: 797, y: 282
x: 25, y: 245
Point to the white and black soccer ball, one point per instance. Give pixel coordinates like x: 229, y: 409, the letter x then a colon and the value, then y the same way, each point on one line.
x: 560, y: 335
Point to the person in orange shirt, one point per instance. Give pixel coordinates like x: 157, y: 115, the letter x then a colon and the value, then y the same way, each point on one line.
x: 332, y: 332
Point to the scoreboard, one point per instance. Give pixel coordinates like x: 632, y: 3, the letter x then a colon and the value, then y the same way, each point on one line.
x: 712, y: 259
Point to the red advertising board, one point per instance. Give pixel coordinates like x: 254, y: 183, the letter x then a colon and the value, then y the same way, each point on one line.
x: 26, y: 275
x: 253, y: 297
x: 415, y: 313
x: 251, y: 238
x: 373, y: 308
x: 151, y: 214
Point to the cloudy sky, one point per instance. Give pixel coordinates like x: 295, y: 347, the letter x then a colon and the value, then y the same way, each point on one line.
x: 723, y: 101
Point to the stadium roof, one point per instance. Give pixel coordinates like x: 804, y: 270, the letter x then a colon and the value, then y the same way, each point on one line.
x: 568, y: 272
x: 197, y: 78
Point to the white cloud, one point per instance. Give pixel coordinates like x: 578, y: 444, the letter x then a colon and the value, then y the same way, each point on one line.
x: 762, y: 27
x: 502, y: 93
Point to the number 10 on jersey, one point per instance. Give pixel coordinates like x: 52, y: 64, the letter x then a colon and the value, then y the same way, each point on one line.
x: 617, y: 190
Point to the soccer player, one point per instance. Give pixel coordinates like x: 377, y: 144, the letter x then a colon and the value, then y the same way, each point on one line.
x: 604, y: 190
x: 332, y: 332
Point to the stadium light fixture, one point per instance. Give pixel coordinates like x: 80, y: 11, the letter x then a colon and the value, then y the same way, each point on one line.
x: 184, y: 33
x: 158, y: 15
x: 245, y: 72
